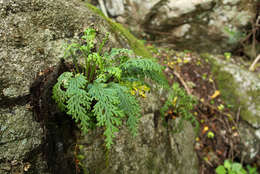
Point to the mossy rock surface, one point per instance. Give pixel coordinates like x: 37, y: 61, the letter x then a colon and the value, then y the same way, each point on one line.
x: 136, y: 45
x: 32, y: 35
x: 239, y: 88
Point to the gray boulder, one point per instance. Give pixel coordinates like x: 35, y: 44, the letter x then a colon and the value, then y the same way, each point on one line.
x: 241, y: 88
x: 211, y: 26
x: 115, y: 7
x: 156, y: 149
x: 32, y: 35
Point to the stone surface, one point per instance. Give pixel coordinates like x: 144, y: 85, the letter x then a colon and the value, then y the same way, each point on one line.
x: 156, y: 149
x: 20, y: 135
x: 32, y: 35
x: 250, y: 140
x: 115, y: 7
x: 32, y: 38
x: 214, y: 25
x: 240, y: 88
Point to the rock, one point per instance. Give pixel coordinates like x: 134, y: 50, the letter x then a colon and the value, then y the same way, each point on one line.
x: 240, y: 88
x: 115, y: 7
x: 32, y: 35
x: 156, y: 149
x: 250, y: 140
x: 214, y: 26
x: 20, y: 136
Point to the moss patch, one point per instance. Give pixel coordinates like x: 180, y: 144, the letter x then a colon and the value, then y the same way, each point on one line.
x: 136, y: 45
x: 231, y: 94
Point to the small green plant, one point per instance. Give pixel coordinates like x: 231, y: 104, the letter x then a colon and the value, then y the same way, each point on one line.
x: 182, y: 104
x: 97, y: 92
x: 234, y: 168
x: 227, y: 55
x: 233, y: 34
x: 210, y: 135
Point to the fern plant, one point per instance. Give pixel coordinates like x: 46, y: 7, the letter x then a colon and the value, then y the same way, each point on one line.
x: 95, y: 93
x: 182, y: 104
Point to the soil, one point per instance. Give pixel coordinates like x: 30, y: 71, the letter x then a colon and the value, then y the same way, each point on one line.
x: 218, y: 138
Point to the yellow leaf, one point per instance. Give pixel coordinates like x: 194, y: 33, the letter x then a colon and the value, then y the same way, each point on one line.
x: 216, y: 94
x: 221, y: 107
x: 133, y: 92
x: 142, y: 93
x: 174, y: 101
x: 186, y: 61
x: 205, y: 129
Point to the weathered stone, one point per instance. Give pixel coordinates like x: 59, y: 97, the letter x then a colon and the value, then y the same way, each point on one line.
x: 32, y: 35
x: 214, y: 25
x: 240, y: 88
x: 156, y: 149
x: 250, y: 140
x: 20, y: 137
x: 115, y: 7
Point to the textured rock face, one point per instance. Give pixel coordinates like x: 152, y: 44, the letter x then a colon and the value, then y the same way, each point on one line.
x: 32, y: 34
x: 211, y: 25
x: 20, y: 134
x: 156, y: 149
x: 241, y: 88
x: 115, y: 7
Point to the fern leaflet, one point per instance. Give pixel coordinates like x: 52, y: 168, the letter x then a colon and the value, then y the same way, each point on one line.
x: 106, y: 109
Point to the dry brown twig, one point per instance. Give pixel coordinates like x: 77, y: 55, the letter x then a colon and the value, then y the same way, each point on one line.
x: 252, y: 67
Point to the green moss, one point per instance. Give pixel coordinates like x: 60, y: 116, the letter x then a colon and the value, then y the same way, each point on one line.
x: 136, y: 45
x: 231, y: 95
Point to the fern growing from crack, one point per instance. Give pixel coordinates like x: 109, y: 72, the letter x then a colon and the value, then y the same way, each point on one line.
x: 96, y: 89
x: 182, y: 104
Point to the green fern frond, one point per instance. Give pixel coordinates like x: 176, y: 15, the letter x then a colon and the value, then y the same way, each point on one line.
x: 144, y: 68
x: 113, y: 72
x: 70, y: 95
x: 119, y: 55
x: 71, y: 50
x: 97, y: 59
x: 101, y: 95
x: 89, y: 37
x: 130, y: 105
x: 106, y: 109
x: 59, y: 94
x: 79, y: 102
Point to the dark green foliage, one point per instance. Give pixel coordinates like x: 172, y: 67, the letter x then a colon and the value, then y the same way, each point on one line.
x: 95, y: 92
x: 181, y: 104
x: 230, y: 167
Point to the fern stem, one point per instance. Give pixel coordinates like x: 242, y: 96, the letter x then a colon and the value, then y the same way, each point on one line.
x: 87, y: 64
x: 103, y: 43
x: 75, y: 61
x: 92, y: 72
